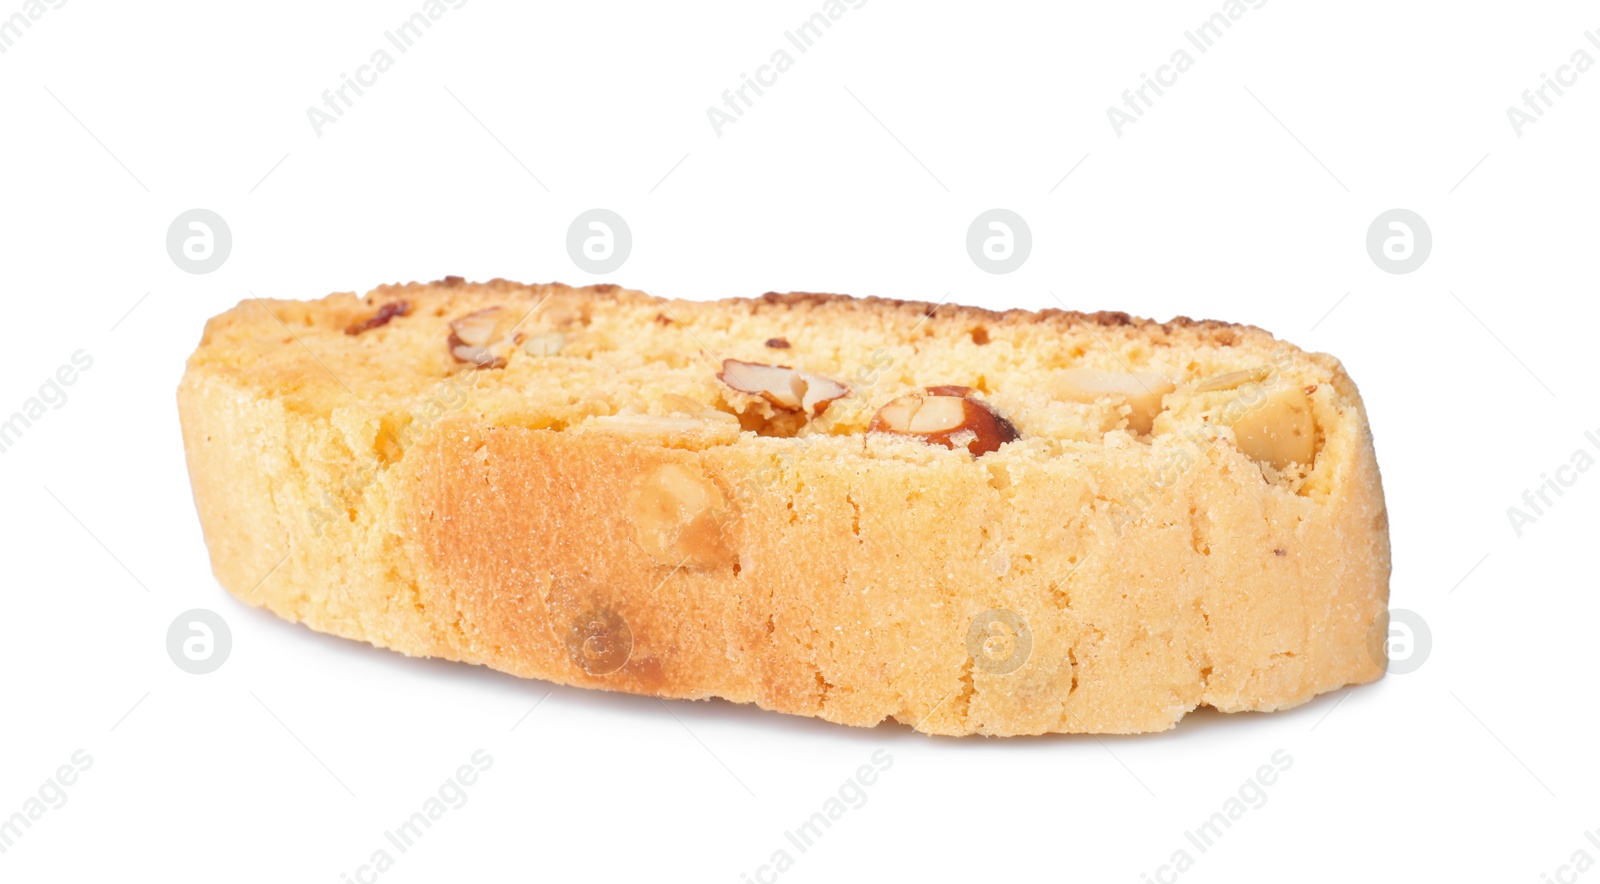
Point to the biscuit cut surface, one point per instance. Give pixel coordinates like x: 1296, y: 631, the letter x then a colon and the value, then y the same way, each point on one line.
x: 970, y: 522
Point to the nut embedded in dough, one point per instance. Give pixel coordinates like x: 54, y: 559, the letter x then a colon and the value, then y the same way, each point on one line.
x: 477, y: 337
x: 1277, y: 430
x: 615, y: 517
x: 783, y: 386
x: 947, y: 416
x: 1141, y: 390
x: 678, y: 516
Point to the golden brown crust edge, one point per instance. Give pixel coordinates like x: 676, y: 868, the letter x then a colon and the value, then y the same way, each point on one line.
x: 846, y: 597
x: 1107, y: 318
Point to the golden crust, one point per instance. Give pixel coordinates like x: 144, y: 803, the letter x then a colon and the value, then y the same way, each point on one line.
x: 791, y: 300
x: 1086, y: 578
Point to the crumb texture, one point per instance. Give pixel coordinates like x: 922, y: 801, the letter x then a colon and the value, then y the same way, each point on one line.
x: 858, y: 509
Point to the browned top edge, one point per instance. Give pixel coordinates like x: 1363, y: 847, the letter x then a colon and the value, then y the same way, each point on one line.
x: 947, y: 311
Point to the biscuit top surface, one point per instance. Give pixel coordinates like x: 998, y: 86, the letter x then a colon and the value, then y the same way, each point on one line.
x: 603, y: 358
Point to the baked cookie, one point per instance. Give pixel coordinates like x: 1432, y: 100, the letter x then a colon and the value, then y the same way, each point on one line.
x: 970, y: 522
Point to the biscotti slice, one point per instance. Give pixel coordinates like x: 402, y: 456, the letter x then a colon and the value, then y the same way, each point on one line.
x: 969, y: 522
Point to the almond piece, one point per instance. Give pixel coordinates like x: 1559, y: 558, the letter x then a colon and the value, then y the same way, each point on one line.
x: 1230, y: 380
x: 479, y: 328
x: 947, y: 416
x: 476, y: 338
x: 543, y: 345
x: 819, y: 392
x: 381, y: 318
x: 1141, y: 390
x: 784, y: 387
x: 677, y: 515
x: 679, y: 404
x: 1275, y: 429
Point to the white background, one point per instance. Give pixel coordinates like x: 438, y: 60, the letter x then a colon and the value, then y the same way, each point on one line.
x: 1243, y: 194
